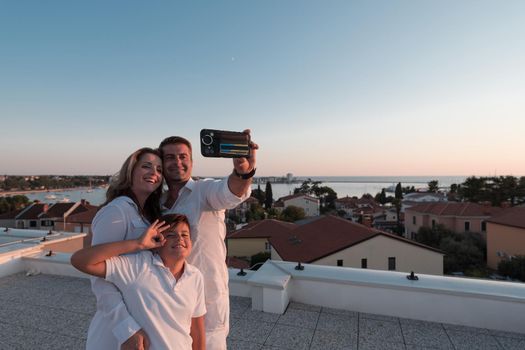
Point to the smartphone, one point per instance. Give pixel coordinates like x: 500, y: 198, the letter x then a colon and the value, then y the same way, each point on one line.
x: 224, y: 144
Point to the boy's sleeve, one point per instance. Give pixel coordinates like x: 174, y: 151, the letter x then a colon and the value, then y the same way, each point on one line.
x: 200, y: 305
x: 124, y: 269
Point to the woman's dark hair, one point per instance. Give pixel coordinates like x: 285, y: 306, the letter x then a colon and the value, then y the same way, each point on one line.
x: 121, y: 185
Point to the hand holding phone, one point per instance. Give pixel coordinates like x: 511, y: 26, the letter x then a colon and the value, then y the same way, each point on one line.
x: 224, y: 144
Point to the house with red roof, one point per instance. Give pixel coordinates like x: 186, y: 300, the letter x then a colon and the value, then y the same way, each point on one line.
x: 334, y: 241
x: 456, y: 216
x: 41, y: 216
x: 505, y: 236
x: 309, y: 204
x: 9, y: 219
x: 79, y: 219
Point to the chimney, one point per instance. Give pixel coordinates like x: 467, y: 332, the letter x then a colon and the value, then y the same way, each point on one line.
x: 367, y: 221
x: 505, y: 204
x: 82, y: 202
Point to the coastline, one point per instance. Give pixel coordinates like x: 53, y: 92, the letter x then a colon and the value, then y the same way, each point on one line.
x: 22, y: 192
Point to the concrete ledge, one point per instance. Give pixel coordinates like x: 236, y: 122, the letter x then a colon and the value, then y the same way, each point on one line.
x: 56, y: 264
x: 462, y: 301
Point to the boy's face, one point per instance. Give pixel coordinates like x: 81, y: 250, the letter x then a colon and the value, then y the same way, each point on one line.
x: 178, y: 242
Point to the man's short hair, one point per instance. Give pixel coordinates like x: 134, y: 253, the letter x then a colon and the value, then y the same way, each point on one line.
x: 174, y: 140
x: 173, y: 220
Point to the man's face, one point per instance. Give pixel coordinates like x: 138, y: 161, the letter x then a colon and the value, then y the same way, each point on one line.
x: 177, y: 162
x: 178, y: 242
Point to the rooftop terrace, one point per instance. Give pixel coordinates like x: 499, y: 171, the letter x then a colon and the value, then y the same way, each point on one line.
x: 53, y: 312
x: 46, y: 304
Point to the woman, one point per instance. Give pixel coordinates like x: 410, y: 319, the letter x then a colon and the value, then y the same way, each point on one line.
x: 132, y: 203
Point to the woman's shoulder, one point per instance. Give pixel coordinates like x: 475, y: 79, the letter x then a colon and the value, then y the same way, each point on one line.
x: 117, y: 207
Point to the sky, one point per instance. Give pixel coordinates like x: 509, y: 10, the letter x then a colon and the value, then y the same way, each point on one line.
x: 328, y: 88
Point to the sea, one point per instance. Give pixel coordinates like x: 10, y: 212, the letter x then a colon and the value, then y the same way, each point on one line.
x: 342, y: 185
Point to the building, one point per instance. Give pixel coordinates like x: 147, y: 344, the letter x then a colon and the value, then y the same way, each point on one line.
x: 254, y: 238
x: 333, y: 241
x: 415, y: 198
x: 241, y: 210
x: 455, y: 216
x: 40, y: 216
x: 309, y: 204
x: 505, y: 236
x: 354, y: 207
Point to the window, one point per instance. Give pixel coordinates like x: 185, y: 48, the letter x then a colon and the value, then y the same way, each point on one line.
x: 433, y: 223
x: 467, y: 226
x: 413, y: 220
x: 46, y: 223
x: 32, y: 223
x: 483, y: 226
x: 339, y: 262
x: 267, y: 246
x: 391, y: 263
x: 364, y: 263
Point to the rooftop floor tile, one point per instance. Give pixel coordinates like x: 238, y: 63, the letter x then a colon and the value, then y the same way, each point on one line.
x: 54, y: 312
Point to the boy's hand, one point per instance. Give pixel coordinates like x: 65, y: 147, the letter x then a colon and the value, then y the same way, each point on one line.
x: 153, y: 237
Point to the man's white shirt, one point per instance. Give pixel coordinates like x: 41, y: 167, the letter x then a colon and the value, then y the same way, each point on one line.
x: 204, y: 202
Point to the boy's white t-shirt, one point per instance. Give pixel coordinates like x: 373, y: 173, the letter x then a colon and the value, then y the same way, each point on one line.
x: 162, y: 305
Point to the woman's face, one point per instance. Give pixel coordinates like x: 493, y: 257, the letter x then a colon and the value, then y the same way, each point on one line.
x: 147, y: 174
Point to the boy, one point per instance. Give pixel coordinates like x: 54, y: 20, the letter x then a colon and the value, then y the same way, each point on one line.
x: 162, y: 292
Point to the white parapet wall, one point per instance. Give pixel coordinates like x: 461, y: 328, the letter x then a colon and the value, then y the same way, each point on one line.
x: 463, y: 301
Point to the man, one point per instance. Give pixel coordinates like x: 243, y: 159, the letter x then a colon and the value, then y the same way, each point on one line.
x: 204, y: 202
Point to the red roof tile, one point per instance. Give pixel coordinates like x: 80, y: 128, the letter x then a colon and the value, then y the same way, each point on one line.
x: 510, y: 217
x: 33, y: 212
x: 263, y: 229
x: 455, y: 209
x: 315, y: 239
x: 319, y: 238
x: 11, y: 214
x: 57, y: 210
x: 237, y: 263
x: 298, y: 195
x: 82, y: 217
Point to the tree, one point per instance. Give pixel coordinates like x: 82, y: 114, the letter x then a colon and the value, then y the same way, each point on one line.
x: 16, y: 202
x: 292, y: 213
x: 308, y: 187
x: 256, y: 212
x: 259, y: 195
x: 513, y: 268
x: 399, y: 191
x: 432, y: 236
x: 259, y: 258
x: 382, y: 197
x: 268, y: 201
x: 465, y: 252
x: 326, y: 195
x: 433, y: 186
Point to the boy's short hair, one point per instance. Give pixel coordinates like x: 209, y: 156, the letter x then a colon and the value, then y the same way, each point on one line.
x: 174, y: 219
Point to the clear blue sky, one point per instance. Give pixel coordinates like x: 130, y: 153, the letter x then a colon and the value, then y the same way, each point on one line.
x: 327, y: 87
